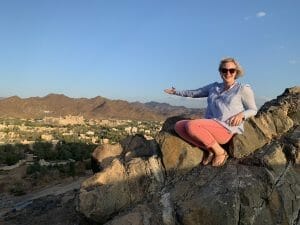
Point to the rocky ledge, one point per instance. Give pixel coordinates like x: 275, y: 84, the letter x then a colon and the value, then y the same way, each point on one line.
x: 142, y: 182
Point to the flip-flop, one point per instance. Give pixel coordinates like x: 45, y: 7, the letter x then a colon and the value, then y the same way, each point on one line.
x: 208, y: 158
x: 225, y: 155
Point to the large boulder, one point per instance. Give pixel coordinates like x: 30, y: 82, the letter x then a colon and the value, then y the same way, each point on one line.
x: 138, y: 146
x: 119, y: 187
x: 103, y: 155
x: 178, y: 156
x: 129, y: 148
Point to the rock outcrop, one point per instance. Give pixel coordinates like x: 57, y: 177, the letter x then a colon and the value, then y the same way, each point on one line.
x: 274, y: 119
x: 259, y: 184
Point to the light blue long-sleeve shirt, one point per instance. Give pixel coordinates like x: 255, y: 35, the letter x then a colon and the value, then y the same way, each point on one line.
x: 221, y: 105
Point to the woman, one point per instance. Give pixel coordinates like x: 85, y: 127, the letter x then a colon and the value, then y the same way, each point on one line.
x: 228, y: 104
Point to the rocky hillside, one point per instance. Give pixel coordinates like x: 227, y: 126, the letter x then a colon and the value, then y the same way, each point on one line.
x: 260, y: 184
x: 102, y: 108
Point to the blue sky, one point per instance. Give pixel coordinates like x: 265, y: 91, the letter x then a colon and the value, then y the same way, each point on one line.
x: 132, y: 50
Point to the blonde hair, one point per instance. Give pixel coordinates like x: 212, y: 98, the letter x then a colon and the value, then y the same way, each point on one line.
x: 239, y: 69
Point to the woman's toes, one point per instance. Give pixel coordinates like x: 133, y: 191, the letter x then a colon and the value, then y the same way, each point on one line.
x: 220, y: 160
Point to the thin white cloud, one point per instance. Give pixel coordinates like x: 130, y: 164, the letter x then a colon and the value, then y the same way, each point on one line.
x: 258, y: 15
x: 293, y: 61
x: 261, y: 14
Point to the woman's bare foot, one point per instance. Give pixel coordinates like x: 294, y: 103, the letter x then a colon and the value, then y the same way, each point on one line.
x: 220, y: 159
x: 208, y: 158
x: 220, y: 155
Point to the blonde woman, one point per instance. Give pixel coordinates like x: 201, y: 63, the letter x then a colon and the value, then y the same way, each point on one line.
x: 229, y: 103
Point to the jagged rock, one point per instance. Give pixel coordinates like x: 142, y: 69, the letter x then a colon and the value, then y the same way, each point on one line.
x: 103, y: 155
x: 273, y: 119
x: 104, y: 193
x: 119, y: 187
x: 138, y: 146
x: 275, y: 159
x: 129, y: 148
x: 289, y: 100
x: 238, y: 194
x: 245, y: 144
x: 294, y: 137
x: 255, y: 187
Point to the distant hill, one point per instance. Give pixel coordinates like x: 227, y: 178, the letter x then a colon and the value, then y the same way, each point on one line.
x: 98, y: 108
x: 167, y: 109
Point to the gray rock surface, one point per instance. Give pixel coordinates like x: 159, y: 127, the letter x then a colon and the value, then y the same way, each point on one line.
x: 119, y: 187
x: 103, y: 155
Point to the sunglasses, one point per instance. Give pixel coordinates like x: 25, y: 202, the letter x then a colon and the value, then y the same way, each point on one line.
x: 225, y: 71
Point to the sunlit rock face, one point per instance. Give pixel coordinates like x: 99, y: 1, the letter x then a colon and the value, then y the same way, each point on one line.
x: 274, y: 119
x: 163, y: 182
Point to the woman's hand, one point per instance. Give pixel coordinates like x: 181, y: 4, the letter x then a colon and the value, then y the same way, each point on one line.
x: 170, y: 91
x: 236, y: 119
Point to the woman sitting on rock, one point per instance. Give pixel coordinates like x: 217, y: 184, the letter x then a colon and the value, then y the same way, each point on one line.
x: 228, y: 104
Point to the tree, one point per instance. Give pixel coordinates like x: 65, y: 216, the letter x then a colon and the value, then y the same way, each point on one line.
x: 43, y: 150
x: 11, y: 154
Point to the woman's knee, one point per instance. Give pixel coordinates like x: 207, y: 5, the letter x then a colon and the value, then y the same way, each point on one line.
x: 180, y: 125
x: 191, y: 126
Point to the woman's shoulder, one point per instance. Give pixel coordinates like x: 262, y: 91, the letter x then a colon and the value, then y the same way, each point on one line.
x: 212, y: 86
x: 244, y: 87
x: 216, y: 84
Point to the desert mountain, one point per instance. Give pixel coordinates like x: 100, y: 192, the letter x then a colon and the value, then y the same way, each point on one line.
x: 99, y: 107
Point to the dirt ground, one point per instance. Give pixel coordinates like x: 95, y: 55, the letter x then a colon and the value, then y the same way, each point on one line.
x: 9, y: 178
x: 44, y: 204
x: 46, y: 210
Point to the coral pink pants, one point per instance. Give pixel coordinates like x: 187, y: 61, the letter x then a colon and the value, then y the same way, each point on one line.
x: 202, y: 132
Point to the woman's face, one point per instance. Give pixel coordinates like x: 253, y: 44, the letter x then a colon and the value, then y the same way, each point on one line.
x: 228, y: 72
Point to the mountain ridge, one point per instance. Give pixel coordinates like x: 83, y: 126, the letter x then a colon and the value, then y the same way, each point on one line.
x: 98, y: 107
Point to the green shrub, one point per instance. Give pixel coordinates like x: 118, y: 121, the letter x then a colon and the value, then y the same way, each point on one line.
x: 76, y: 151
x: 44, y: 150
x: 36, y: 169
x: 11, y: 154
